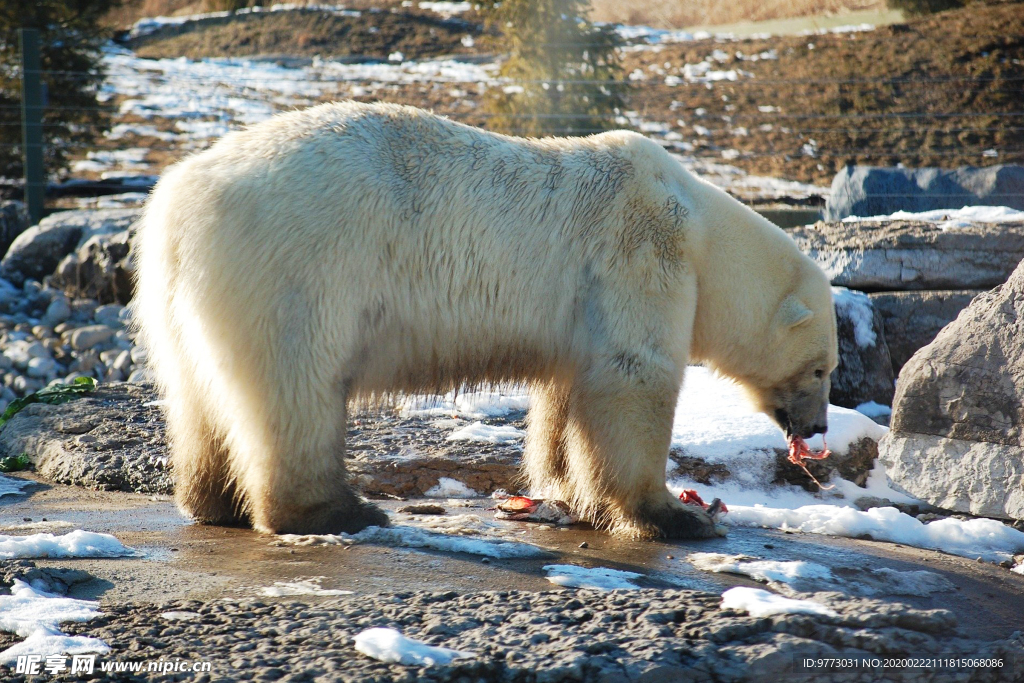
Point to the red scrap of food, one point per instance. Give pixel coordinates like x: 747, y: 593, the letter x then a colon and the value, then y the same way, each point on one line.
x: 799, y: 450
x: 518, y: 504
x: 691, y: 497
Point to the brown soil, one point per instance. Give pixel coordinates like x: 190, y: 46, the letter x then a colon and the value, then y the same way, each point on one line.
x: 936, y: 91
x: 372, y: 35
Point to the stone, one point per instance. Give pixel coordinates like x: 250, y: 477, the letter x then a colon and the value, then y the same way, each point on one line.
x: 57, y: 312
x: 911, y: 255
x: 90, y: 336
x: 37, y: 251
x: 109, y: 315
x: 880, y: 191
x: 957, y: 437
x: 99, y: 269
x: 912, y: 319
x: 865, y: 370
x: 13, y: 221
x: 42, y: 367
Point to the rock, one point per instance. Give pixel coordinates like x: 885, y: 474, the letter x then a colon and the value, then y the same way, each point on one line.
x: 57, y: 312
x: 106, y: 440
x: 42, y: 368
x: 911, y: 255
x: 109, y: 315
x: 100, y: 269
x: 880, y: 191
x: 912, y: 319
x: 37, y: 251
x: 90, y: 336
x: 13, y: 221
x: 957, y: 437
x: 865, y: 370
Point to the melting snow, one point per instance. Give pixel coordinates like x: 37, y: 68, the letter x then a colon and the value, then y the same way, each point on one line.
x: 307, y: 587
x: 447, y: 487
x: 180, y: 616
x: 10, y: 486
x: 483, y: 433
x: 36, y: 615
x: 761, y: 603
x: 388, y: 645
x: 793, y: 577
x: 988, y: 539
x: 77, y: 543
x: 412, y: 537
x: 596, y: 578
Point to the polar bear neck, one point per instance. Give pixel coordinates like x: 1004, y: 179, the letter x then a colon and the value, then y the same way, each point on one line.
x: 745, y: 268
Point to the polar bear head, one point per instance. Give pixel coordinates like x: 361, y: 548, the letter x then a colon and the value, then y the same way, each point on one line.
x: 792, y: 386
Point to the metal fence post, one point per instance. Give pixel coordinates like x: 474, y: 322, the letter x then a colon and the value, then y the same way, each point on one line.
x: 32, y: 123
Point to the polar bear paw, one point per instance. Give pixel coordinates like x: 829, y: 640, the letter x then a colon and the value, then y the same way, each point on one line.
x: 673, y: 520
x: 332, y: 518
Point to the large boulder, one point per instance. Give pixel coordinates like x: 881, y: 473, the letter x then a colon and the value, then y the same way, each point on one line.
x: 912, y: 319
x: 865, y: 370
x: 906, y: 255
x: 13, y: 221
x: 957, y: 440
x: 880, y: 191
x: 101, y: 269
x: 35, y: 253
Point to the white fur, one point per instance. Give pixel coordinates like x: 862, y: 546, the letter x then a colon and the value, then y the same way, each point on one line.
x: 353, y: 250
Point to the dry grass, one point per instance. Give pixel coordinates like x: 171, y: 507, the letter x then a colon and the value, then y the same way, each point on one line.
x: 684, y: 13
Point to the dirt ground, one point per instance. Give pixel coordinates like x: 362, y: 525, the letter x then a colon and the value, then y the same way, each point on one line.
x: 943, y: 90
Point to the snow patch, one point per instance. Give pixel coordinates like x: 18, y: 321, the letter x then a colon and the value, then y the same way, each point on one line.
x: 596, y: 578
x: 873, y: 409
x: 857, y: 306
x: 951, y: 218
x: 179, y: 615
x: 411, y: 537
x: 760, y: 570
x: 484, y: 433
x: 988, y: 539
x: 36, y: 616
x: 475, y: 405
x: 761, y: 603
x: 388, y: 645
x: 447, y: 487
x: 307, y: 587
x: 10, y: 486
x: 77, y: 543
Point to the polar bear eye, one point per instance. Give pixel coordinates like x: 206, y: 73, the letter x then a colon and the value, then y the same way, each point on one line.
x: 818, y: 374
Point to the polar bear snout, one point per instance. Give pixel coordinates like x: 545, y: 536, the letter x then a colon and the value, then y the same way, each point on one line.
x: 803, y: 415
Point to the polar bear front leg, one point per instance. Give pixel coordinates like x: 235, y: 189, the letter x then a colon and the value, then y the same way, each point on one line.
x: 544, y: 460
x: 617, y: 437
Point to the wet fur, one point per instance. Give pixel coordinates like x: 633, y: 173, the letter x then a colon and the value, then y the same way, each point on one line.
x: 348, y: 251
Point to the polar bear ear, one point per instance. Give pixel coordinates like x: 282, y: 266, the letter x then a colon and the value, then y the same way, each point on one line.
x: 793, y: 312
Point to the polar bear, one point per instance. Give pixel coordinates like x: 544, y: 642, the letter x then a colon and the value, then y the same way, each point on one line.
x: 350, y: 251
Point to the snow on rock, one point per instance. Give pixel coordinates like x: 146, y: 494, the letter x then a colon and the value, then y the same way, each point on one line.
x: 596, y: 578
x: 12, y: 487
x: 987, y: 539
x: 447, y: 8
x: 77, y: 543
x: 951, y: 218
x: 446, y: 487
x: 484, y: 433
x: 761, y: 603
x: 307, y: 587
x: 388, y: 645
x: 857, y: 307
x: 36, y: 615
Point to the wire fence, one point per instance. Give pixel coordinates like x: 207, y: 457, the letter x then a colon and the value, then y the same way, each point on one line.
x: 711, y: 116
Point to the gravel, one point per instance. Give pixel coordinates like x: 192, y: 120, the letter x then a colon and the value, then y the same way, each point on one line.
x: 641, y: 635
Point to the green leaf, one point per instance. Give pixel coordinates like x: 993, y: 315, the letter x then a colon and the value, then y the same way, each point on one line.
x: 54, y: 394
x: 15, y: 463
